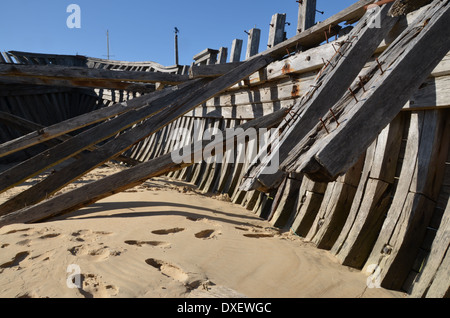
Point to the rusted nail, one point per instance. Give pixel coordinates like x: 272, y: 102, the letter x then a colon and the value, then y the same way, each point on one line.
x: 337, y: 51
x: 353, y: 94
x: 379, y: 66
x: 361, y: 83
x: 334, y: 116
x: 323, y: 124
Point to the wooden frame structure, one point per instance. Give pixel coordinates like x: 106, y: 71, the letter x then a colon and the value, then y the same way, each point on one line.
x: 373, y: 192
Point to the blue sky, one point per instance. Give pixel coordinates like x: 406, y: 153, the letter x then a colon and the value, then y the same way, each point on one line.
x: 144, y: 30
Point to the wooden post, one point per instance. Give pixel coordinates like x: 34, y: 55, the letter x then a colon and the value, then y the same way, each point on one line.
x: 236, y: 49
x: 306, y: 15
x: 176, y: 46
x: 254, y: 36
x: 223, y: 54
x: 276, y: 33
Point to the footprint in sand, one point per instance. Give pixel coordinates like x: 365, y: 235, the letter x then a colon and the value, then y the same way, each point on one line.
x: 88, y: 235
x: 258, y: 231
x: 168, y: 231
x: 15, y: 261
x: 258, y: 235
x: 207, y: 234
x: 150, y: 243
x: 189, y: 280
x: 93, y: 287
x: 15, y: 231
x: 95, y: 254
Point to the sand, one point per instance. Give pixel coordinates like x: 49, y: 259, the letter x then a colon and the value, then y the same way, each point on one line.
x: 164, y: 239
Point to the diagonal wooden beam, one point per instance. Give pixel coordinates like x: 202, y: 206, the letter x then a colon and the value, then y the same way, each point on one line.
x: 86, y: 139
x: 392, y: 79
x: 124, y: 180
x: 27, y: 126
x: 89, y: 161
x: 41, y: 135
x: 333, y: 81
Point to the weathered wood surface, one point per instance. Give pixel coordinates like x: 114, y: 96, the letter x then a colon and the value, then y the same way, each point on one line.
x: 121, y: 181
x: 315, y: 35
x: 335, y: 208
x: 324, y: 155
x: 56, y: 75
x: 337, y: 76
x: 306, y: 15
x: 434, y: 280
x: 415, y: 197
x: 276, y: 31
x: 372, y: 197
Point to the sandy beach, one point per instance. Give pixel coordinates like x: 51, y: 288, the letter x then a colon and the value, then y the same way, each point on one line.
x: 163, y: 239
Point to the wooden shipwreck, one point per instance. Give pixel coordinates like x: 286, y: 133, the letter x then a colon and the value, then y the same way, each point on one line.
x: 360, y: 102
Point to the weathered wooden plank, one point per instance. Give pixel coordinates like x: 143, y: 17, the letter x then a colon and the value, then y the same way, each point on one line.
x: 236, y: 51
x: 411, y: 210
x: 434, y: 262
x: 82, y: 76
x: 287, y: 202
x: 90, y: 193
x: 308, y: 203
x: 212, y: 70
x: 335, y: 208
x: 329, y: 155
x: 340, y: 72
x: 372, y: 198
x: 440, y: 286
